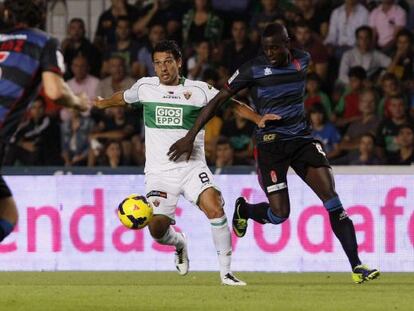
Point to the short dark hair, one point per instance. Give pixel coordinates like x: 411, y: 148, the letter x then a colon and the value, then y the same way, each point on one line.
x: 303, y: 24
x: 357, y: 72
x: 405, y: 126
x: 24, y: 11
x: 167, y: 46
x: 405, y: 33
x: 364, y: 28
x: 123, y: 19
x: 274, y: 29
x: 78, y: 20
x: 319, y: 108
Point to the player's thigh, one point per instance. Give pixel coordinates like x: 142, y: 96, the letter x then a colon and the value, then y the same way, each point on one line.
x: 162, y: 192
x: 272, y: 167
x: 198, y: 180
x: 311, y: 164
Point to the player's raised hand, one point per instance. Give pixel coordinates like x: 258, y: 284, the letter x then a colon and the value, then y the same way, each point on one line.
x: 268, y: 117
x: 181, y: 146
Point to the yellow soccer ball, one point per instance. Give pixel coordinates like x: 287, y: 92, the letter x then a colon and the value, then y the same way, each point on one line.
x: 135, y: 212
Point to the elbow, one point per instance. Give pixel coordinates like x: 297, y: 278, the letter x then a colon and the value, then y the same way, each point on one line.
x: 53, y: 93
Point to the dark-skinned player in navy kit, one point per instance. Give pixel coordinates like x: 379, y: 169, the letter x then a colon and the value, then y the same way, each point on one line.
x: 276, y: 81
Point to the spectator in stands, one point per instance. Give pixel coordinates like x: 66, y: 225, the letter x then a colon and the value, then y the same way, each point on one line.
x: 224, y: 155
x: 364, y: 155
x: 118, y: 79
x: 138, y: 150
x: 165, y: 12
x: 391, y: 87
x: 388, y: 128
x: 343, y: 23
x: 239, y: 49
x: 363, y: 54
x: 36, y: 141
x: 124, y: 46
x: 387, y: 20
x: 405, y: 142
x: 347, y: 109
x: 200, y: 23
x: 105, y: 32
x: 156, y: 34
x: 317, y: 20
x: 239, y: 131
x: 324, y: 131
x: 200, y: 62
x: 402, y: 64
x: 314, y: 94
x: 75, y: 139
x: 311, y: 43
x: 270, y: 13
x: 82, y: 82
x: 76, y: 43
x: 368, y: 123
x: 112, y: 155
x: 121, y: 124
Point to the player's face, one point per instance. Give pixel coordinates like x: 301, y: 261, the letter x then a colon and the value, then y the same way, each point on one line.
x: 276, y: 49
x: 167, y: 68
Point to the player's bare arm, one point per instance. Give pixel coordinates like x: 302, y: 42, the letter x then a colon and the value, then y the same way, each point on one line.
x: 185, y: 144
x: 116, y: 100
x: 246, y: 112
x: 57, y: 90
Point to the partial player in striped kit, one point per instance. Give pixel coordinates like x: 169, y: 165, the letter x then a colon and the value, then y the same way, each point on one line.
x: 28, y: 57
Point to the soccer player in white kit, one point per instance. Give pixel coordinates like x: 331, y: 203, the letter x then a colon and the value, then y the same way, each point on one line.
x: 171, y: 105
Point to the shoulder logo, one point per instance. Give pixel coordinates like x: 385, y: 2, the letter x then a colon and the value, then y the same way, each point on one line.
x: 267, y: 71
x: 297, y: 65
x: 233, y: 76
x: 3, y: 56
x: 187, y: 95
x: 209, y: 86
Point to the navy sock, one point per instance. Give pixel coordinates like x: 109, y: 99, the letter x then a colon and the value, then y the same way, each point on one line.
x: 5, y: 228
x: 263, y: 214
x: 344, y: 230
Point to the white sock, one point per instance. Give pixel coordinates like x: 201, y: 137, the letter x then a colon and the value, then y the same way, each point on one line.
x: 171, y: 237
x: 222, y: 242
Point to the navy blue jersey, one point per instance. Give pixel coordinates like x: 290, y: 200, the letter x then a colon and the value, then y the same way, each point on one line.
x: 276, y: 90
x: 24, y: 54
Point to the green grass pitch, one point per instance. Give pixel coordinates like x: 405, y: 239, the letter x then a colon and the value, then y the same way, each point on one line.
x: 59, y: 291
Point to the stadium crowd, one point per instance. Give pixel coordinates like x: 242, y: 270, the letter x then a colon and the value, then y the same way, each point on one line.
x: 359, y: 90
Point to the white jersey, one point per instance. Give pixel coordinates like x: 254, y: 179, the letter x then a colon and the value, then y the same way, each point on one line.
x: 169, y: 112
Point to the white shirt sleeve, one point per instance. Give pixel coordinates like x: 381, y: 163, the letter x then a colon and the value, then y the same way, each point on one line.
x: 131, y: 95
x: 209, y: 90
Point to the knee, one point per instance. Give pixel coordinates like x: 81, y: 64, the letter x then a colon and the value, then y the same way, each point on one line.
x: 158, y: 227
x: 282, y: 210
x: 215, y: 211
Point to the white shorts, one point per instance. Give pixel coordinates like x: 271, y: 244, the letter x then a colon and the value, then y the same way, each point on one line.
x: 164, y: 189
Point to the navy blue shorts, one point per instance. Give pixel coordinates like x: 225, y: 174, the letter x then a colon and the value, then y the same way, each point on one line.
x: 274, y: 159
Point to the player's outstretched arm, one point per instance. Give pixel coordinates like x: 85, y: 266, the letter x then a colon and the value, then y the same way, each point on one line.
x: 185, y: 144
x: 58, y: 91
x: 246, y: 112
x: 117, y: 99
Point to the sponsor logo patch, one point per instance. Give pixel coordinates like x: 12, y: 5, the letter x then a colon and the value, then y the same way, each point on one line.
x: 276, y: 187
x: 3, y: 56
x: 156, y: 202
x: 269, y: 137
x: 233, y: 76
x: 170, y: 116
x: 267, y: 71
x: 156, y: 193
